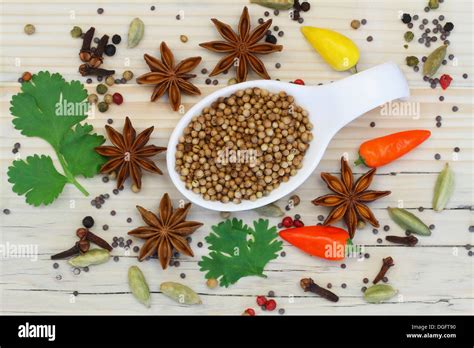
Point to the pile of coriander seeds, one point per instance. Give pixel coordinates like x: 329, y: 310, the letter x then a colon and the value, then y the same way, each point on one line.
x: 243, y: 146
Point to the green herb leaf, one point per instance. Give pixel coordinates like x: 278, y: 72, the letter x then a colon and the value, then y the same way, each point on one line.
x: 37, y: 178
x: 78, y: 147
x: 238, y: 251
x: 48, y: 107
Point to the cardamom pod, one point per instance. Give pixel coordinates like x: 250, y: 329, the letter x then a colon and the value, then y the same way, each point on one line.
x: 180, y: 293
x: 433, y: 4
x: 270, y: 210
x: 379, y: 292
x: 135, y: 32
x: 92, y: 257
x: 409, y: 36
x: 434, y: 60
x: 275, y: 4
x: 443, y: 188
x: 412, y: 61
x: 138, y: 285
x: 408, y: 221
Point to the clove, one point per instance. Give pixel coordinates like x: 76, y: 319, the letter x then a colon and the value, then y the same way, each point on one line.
x: 85, y: 54
x: 85, y: 234
x: 86, y: 70
x: 387, y: 263
x: 411, y: 240
x: 81, y: 246
x: 96, y: 58
x: 307, y: 284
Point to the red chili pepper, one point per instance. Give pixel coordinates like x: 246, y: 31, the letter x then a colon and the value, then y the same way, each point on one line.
x: 445, y: 81
x: 381, y: 151
x: 327, y: 242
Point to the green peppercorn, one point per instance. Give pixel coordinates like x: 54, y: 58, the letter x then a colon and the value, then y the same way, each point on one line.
x: 412, y: 61
x: 29, y: 29
x: 92, y: 98
x: 433, y: 4
x: 110, y: 80
x: 103, y: 106
x: 409, y: 36
x: 76, y: 32
x: 127, y: 75
x: 108, y: 98
x: 101, y: 88
x: 232, y: 81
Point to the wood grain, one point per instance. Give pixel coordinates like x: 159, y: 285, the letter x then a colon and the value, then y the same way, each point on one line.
x: 433, y: 277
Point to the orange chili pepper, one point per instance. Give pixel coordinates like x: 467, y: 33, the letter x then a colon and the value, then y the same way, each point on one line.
x: 327, y: 242
x: 381, y: 151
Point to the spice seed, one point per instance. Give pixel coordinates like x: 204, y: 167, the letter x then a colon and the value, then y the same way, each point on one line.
x: 437, y: 156
x: 370, y: 38
x: 6, y: 211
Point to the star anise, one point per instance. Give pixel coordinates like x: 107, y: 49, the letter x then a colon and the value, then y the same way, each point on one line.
x: 129, y: 154
x: 349, y: 198
x: 241, y: 48
x: 165, y: 232
x: 169, y: 77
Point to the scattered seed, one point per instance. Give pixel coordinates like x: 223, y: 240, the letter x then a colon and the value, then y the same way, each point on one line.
x: 129, y: 220
x: 355, y: 24
x: 100, y: 10
x: 183, y: 38
x: 29, y: 29
x: 369, y: 38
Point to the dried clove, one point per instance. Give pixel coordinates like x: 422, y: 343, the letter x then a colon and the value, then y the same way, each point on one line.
x: 85, y: 234
x: 411, y: 240
x: 85, y: 54
x: 307, y: 284
x: 387, y: 263
x: 86, y: 70
x: 81, y: 246
x: 96, y: 58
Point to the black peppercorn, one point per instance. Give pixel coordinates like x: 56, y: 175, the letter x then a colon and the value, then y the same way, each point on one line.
x: 271, y: 39
x: 406, y: 18
x: 116, y: 39
x: 88, y: 222
x: 448, y: 27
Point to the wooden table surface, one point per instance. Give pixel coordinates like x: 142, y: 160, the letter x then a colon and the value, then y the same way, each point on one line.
x: 435, y: 277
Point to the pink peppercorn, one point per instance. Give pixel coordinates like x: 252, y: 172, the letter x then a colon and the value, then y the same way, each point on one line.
x: 117, y: 98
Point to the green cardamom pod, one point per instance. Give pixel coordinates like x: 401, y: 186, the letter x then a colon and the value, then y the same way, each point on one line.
x: 275, y: 4
x: 408, y: 221
x: 92, y: 257
x: 270, y: 210
x: 379, y: 292
x: 138, y: 285
x: 433, y: 4
x: 443, y: 188
x: 180, y: 293
x: 409, y: 36
x: 412, y: 61
x: 434, y: 60
x: 135, y: 32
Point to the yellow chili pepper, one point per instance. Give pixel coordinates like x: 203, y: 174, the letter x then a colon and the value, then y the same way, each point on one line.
x: 336, y: 49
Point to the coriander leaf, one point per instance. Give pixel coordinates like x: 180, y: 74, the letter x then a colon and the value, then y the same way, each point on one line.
x: 37, y: 178
x: 48, y: 107
x: 78, y: 147
x: 238, y: 251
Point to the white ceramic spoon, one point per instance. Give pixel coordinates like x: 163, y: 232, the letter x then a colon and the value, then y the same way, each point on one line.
x: 330, y: 108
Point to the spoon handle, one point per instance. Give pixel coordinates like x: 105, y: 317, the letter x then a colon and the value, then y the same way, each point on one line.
x: 349, y: 98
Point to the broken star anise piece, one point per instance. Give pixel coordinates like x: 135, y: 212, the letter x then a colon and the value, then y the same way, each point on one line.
x: 129, y: 154
x: 165, y: 232
x: 242, y: 48
x: 349, y: 198
x: 169, y: 77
